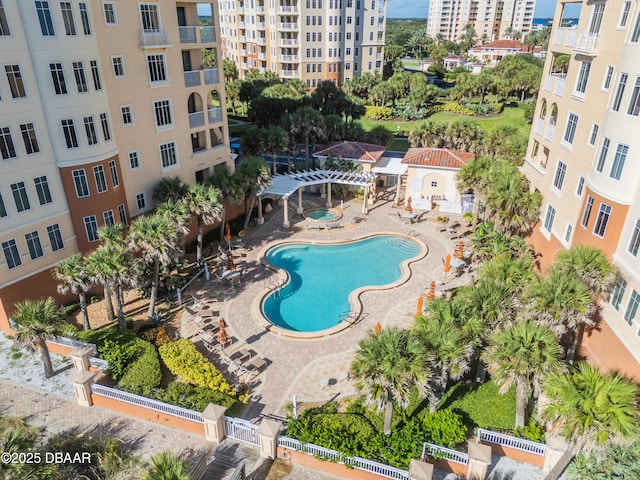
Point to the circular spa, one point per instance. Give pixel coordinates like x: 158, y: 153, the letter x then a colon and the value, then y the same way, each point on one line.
x: 322, y: 277
x: 323, y: 215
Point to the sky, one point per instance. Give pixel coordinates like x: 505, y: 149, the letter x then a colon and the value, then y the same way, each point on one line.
x: 419, y: 8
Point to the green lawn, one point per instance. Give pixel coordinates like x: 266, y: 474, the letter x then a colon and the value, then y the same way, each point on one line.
x: 399, y: 144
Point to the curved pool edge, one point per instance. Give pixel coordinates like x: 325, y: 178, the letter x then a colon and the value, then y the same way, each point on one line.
x: 355, y: 301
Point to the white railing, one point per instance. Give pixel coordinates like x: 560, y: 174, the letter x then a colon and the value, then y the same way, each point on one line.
x: 289, y: 73
x: 262, y: 56
x: 446, y: 453
x: 192, y: 78
x: 548, y: 135
x: 262, y: 69
x: 288, y: 26
x: 539, y: 128
x: 288, y: 58
x: 261, y: 41
x: 288, y: 41
x: 99, y: 363
x: 261, y: 25
x: 241, y: 24
x: 322, y: 452
x: 290, y: 443
x: 241, y: 430
x: 154, y: 37
x: 559, y: 87
x: 287, y: 9
x: 558, y: 35
x: 73, y: 343
x: 548, y: 83
x: 259, y: 9
x: 211, y: 76
x: 510, y: 441
x: 587, y: 42
x: 570, y: 38
x: 187, y: 34
x: 240, y: 9
x: 214, y: 114
x: 244, y: 65
x: 243, y: 38
x: 147, y: 403
x: 196, y: 119
x: 377, y: 468
x: 243, y: 52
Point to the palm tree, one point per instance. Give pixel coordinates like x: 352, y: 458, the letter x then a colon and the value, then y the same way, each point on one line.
x: 177, y: 213
x: 253, y: 175
x: 308, y: 125
x: 72, y: 274
x: 230, y: 188
x: 203, y: 201
x: 170, y: 188
x: 592, y: 410
x: 522, y: 354
x: 167, y: 466
x: 388, y: 367
x: 38, y: 321
x: 158, y: 243
x: 473, y: 176
x: 275, y: 140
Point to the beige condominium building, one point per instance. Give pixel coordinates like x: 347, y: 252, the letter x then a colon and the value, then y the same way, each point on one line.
x: 99, y: 100
x: 490, y: 17
x: 309, y: 40
x: 582, y: 155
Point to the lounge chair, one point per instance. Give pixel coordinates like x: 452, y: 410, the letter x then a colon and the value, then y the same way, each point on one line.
x: 315, y: 226
x: 356, y: 220
x: 333, y: 225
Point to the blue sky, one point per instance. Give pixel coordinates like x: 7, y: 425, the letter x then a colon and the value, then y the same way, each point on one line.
x: 419, y: 8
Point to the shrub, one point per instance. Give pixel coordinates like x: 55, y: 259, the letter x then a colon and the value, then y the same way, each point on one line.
x: 193, y: 397
x: 444, y: 427
x: 119, y: 355
x: 182, y: 358
x: 378, y: 113
x: 156, y: 335
x: 534, y: 432
x: 408, y: 112
x: 144, y: 373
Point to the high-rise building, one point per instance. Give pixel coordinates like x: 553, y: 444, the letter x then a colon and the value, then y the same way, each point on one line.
x: 582, y: 156
x: 100, y: 100
x: 493, y: 18
x: 309, y: 40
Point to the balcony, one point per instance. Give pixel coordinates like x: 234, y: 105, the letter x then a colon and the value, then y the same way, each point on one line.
x: 262, y: 70
x: 261, y: 40
x: 243, y: 39
x: 192, y: 78
x: 289, y: 73
x: 243, y: 52
x: 587, y: 44
x: 154, y: 38
x: 288, y: 58
x: 241, y: 24
x: 559, y: 86
x: 197, y: 34
x: 240, y: 9
x: 214, y: 114
x: 548, y: 83
x: 243, y: 65
x: 211, y: 76
x: 205, y: 76
x: 539, y: 128
x: 287, y: 9
x: 548, y: 135
x: 261, y: 25
x: 565, y: 37
x: 288, y: 42
x: 260, y: 9
x: 262, y: 56
x: 288, y: 26
x: 196, y: 119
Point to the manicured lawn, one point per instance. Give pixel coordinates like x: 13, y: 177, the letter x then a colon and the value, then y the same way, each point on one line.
x: 483, y: 406
x: 399, y: 144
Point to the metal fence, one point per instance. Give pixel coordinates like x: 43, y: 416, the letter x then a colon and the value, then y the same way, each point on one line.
x: 437, y: 451
x: 510, y: 441
x: 241, y: 430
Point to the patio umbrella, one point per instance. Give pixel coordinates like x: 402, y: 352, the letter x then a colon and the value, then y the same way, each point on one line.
x: 377, y: 329
x: 460, y: 251
x: 420, y: 303
x: 227, y: 234
x: 222, y: 334
x: 447, y: 264
x: 230, y: 264
x: 432, y: 291
x: 408, y: 208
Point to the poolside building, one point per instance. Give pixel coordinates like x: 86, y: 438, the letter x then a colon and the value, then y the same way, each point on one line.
x: 581, y: 157
x: 100, y: 100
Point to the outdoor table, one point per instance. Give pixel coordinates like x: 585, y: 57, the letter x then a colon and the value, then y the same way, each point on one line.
x: 343, y: 376
x: 324, y: 383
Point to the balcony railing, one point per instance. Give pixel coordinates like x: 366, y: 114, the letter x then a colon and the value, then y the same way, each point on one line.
x: 548, y: 83
x: 196, y: 119
x: 260, y: 9
x: 587, y: 43
x: 262, y: 56
x: 154, y: 38
x: 289, y: 58
x: 190, y: 34
x: 287, y: 9
x: 211, y: 76
x: 206, y: 76
x: 288, y: 26
x: 262, y: 70
x: 290, y: 42
x: 559, y: 87
x: 261, y: 25
x: 539, y: 126
x: 240, y: 9
x: 243, y: 65
x: 243, y: 52
x: 289, y: 73
x: 243, y: 38
x: 548, y: 135
x: 261, y: 40
x: 214, y: 114
x: 564, y: 36
x: 192, y: 78
x: 241, y: 24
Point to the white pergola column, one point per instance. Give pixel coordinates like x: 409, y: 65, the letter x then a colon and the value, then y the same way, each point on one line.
x: 329, y: 195
x: 260, y: 219
x: 365, y: 209
x: 286, y: 223
x: 396, y: 200
x: 323, y: 192
x: 299, y: 210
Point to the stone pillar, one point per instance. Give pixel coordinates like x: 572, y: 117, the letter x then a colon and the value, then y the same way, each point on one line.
x: 268, y: 433
x: 329, y: 195
x: 300, y: 209
x: 82, y: 382
x: 260, y: 219
x: 479, y: 461
x: 556, y: 447
x: 323, y: 193
x: 420, y: 470
x: 365, y: 210
x: 213, y: 417
x: 285, y: 223
x: 80, y: 357
x: 396, y: 200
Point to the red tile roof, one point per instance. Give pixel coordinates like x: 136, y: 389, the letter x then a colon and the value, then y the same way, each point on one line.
x: 363, y: 152
x: 437, y: 158
x: 502, y: 44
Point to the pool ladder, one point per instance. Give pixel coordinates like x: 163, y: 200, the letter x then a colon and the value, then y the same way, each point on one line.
x: 350, y: 315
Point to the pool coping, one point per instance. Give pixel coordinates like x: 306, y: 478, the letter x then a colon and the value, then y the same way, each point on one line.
x: 355, y: 302
x: 337, y: 211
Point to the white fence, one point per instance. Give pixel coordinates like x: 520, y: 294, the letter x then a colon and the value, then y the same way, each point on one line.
x: 355, y: 462
x: 73, y: 343
x: 445, y: 453
x: 147, y: 403
x: 241, y: 430
x: 510, y: 441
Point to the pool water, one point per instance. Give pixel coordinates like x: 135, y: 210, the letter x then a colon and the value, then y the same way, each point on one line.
x: 323, y: 276
x: 322, y: 215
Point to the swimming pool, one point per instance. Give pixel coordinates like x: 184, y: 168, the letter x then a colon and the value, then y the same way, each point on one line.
x: 323, y: 276
x: 322, y: 215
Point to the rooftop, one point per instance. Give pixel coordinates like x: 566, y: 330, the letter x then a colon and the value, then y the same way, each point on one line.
x: 362, y: 152
x: 437, y: 158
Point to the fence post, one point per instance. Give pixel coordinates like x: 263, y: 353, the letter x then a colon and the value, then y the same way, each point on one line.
x: 420, y: 470
x: 479, y: 460
x: 213, y: 417
x: 80, y: 357
x: 268, y: 433
x: 556, y: 447
x: 82, y: 387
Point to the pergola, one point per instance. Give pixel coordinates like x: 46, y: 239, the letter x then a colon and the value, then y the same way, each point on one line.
x: 285, y: 185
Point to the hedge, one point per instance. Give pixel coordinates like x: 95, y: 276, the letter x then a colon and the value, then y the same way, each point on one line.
x: 144, y: 373
x: 378, y: 113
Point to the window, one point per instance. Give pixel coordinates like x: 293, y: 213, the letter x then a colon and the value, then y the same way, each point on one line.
x: 149, y: 17
x: 634, y: 104
x: 127, y: 115
x: 580, y: 186
x: 596, y: 18
x: 567, y: 233
x: 90, y: 129
x: 636, y: 30
x: 570, y: 131
x: 7, y: 148
x: 587, y: 211
x: 84, y: 16
x: 583, y: 77
x: 29, y: 138
x: 122, y: 214
x: 634, y: 244
x: 604, y: 150
x: 4, y: 25
x: 11, y: 254
x: 109, y: 9
x: 618, y: 161
x: 632, y: 307
x: 168, y: 154
x: 57, y: 75
x: 42, y: 189
x: 561, y: 170
x: 67, y: 18
x: 602, y: 220
x: 3, y: 207
x: 141, y: 200
x: 626, y: 6
x: 162, y: 109
x: 118, y: 66
x: 622, y: 83
x: 594, y: 134
x: 20, y: 196
x: 134, y: 160
x: 91, y: 227
x: 156, y: 66
x: 34, y: 245
x: 55, y: 237
x: 101, y: 178
x: 80, y: 181
x: 608, y: 77
x: 109, y: 219
x: 95, y: 73
x: 14, y: 77
x: 70, y: 133
x: 106, y: 131
x: 113, y: 172
x: 549, y: 217
x: 618, y: 293
x: 44, y: 17
x: 81, y: 79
